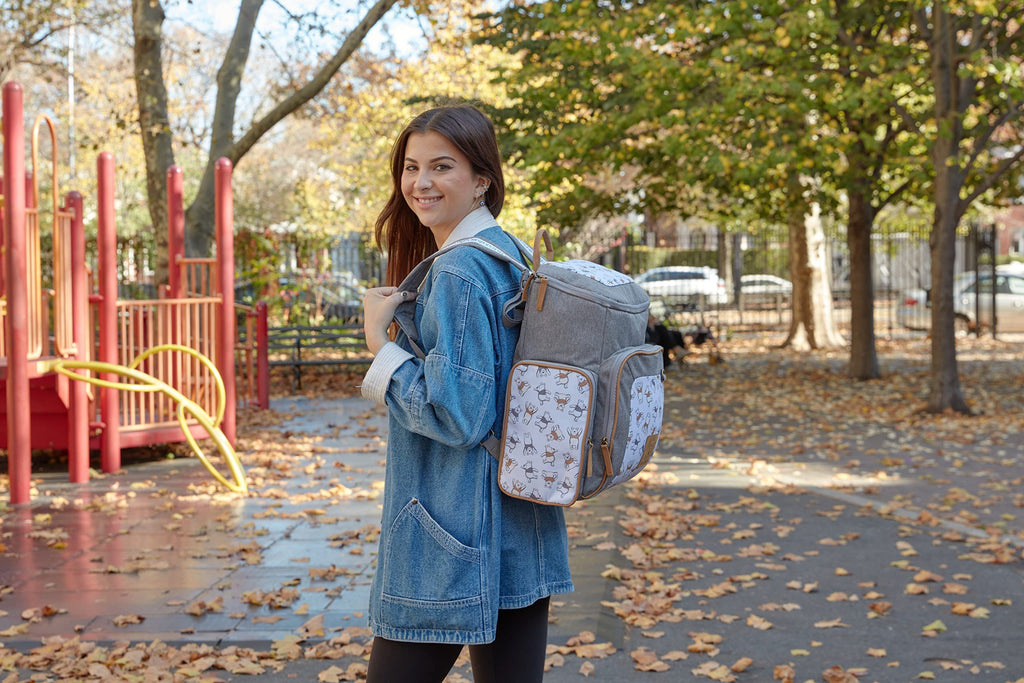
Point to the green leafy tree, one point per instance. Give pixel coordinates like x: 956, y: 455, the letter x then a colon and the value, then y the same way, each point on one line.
x: 720, y: 107
x: 657, y: 107
x: 867, y: 88
x: 974, y: 51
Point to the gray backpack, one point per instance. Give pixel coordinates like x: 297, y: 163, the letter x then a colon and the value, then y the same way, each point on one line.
x: 585, y: 398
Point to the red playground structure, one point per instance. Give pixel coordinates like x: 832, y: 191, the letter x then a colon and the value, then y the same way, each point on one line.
x: 81, y: 319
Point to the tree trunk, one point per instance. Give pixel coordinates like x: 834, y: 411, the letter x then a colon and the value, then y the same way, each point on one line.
x: 199, y: 235
x: 944, y: 391
x: 199, y: 217
x: 812, y: 325
x: 148, y: 17
x: 863, y: 357
x: 154, y: 123
x: 723, y: 243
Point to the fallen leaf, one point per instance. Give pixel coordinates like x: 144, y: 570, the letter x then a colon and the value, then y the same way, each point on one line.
x: 646, y: 660
x: 759, y: 623
x: 836, y: 674
x: 126, y: 619
x: 714, y: 671
x: 784, y: 673
x: 880, y: 608
x: 741, y: 664
x: 830, y: 623
x: 313, y: 628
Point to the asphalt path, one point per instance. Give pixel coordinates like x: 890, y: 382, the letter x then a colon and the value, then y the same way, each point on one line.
x: 764, y: 543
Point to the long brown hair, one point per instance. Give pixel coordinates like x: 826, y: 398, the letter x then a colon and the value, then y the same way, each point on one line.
x: 398, y: 230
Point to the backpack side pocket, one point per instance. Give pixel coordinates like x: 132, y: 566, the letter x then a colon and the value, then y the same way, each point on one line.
x: 549, y: 410
x: 627, y: 426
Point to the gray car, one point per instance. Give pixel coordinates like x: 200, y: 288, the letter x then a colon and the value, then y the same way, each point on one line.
x: 915, y: 310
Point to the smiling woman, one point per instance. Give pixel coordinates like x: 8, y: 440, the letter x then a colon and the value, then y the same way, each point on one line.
x: 460, y: 563
x: 439, y: 183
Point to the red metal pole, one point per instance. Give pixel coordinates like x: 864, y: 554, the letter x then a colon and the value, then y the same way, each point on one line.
x: 225, y: 226
x: 110, y: 442
x: 78, y: 409
x: 19, y: 415
x: 262, y: 361
x: 3, y: 235
x: 175, y: 230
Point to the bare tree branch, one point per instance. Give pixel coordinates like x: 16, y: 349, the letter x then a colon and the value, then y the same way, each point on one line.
x: 199, y: 216
x: 315, y: 84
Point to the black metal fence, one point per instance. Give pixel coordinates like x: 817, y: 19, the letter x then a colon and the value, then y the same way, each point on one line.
x: 901, y: 265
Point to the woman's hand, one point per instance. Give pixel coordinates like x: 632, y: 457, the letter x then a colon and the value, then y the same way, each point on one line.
x: 379, y: 304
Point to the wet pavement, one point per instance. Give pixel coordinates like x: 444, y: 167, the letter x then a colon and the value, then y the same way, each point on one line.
x: 160, y: 538
x: 716, y: 567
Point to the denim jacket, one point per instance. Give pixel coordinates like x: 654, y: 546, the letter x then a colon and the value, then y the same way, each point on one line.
x: 453, y: 548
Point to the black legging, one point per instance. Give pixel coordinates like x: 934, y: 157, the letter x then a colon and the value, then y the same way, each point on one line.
x: 515, y: 656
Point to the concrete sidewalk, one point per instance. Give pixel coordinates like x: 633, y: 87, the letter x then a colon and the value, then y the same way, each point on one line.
x: 715, y: 567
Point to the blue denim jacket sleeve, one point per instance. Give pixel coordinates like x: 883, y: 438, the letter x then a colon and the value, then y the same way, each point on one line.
x: 451, y: 395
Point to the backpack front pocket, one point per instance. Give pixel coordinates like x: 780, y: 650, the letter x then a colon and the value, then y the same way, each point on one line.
x: 548, y: 415
x: 630, y: 405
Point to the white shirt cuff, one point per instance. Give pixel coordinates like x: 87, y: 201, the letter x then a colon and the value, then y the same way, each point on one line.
x: 378, y: 377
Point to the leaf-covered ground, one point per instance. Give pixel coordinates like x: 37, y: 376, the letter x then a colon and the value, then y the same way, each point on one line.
x: 797, y: 526
x: 798, y: 419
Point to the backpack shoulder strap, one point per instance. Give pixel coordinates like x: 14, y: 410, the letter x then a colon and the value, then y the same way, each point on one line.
x: 405, y: 313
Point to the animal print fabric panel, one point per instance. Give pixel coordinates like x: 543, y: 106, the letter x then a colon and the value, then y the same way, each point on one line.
x: 646, y: 406
x: 547, y: 423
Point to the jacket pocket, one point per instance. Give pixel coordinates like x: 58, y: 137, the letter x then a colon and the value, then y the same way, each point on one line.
x: 430, y: 579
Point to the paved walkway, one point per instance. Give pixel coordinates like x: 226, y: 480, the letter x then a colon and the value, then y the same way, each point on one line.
x: 161, y: 537
x: 718, y: 567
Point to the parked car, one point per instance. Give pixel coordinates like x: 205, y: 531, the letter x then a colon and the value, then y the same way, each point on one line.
x: 761, y: 288
x: 684, y: 284
x: 915, y: 310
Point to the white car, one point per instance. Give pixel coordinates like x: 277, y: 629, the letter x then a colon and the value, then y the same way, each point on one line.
x: 684, y: 285
x: 915, y: 311
x: 764, y: 288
